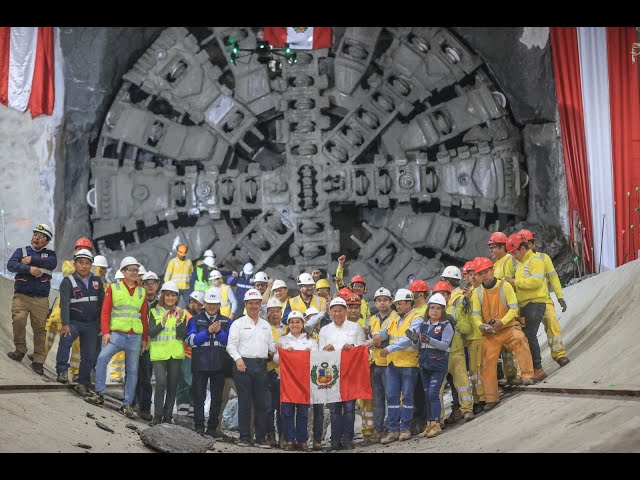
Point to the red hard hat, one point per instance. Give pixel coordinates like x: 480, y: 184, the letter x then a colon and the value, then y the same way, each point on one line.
x: 514, y: 241
x: 358, y: 279
x: 419, y: 286
x: 344, y: 293
x: 481, y: 263
x: 527, y: 234
x: 442, y: 286
x: 84, y: 242
x: 350, y: 297
x: 497, y: 237
x: 468, y: 267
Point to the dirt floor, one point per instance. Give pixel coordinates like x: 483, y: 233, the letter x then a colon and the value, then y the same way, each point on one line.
x: 599, y: 331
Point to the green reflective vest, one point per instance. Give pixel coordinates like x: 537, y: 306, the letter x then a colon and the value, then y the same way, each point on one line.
x: 125, y: 312
x: 200, y: 284
x: 166, y: 345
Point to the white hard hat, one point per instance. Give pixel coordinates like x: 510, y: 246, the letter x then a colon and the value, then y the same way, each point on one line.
x: 170, y: 286
x: 261, y: 277
x: 212, y: 296
x: 248, y: 268
x: 438, y: 298
x: 198, y: 296
x: 126, y: 261
x: 142, y: 270
x: 274, y: 303
x: 215, y: 274
x: 100, y: 261
x: 403, y: 294
x: 278, y: 284
x: 252, y: 294
x: 83, y: 253
x: 295, y: 314
x: 382, y: 292
x: 452, y: 272
x: 311, y: 311
x: 305, y: 279
x: 209, y: 253
x: 338, y: 301
x: 45, y: 229
x: 209, y: 262
x: 149, y: 276
x: 119, y: 275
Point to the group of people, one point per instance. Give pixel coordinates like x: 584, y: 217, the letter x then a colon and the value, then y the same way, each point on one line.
x: 195, y: 335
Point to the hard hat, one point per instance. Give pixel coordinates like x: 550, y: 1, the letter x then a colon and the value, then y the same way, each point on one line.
x: 295, y: 314
x: 100, y: 261
x: 209, y: 262
x: 149, y: 276
x: 344, y: 293
x: 44, y: 229
x: 84, y: 242
x: 323, y: 283
x: 126, y: 261
x: 452, y: 272
x: 278, y: 284
x: 273, y: 302
x: 311, y: 311
x: 215, y: 274
x: 497, y: 237
x: 358, y: 279
x: 438, y: 299
x: 469, y: 267
x: 83, y: 253
x: 198, y: 296
x: 119, y: 275
x: 170, y: 286
x: 514, y: 242
x: 260, y: 277
x: 403, y: 294
x: 209, y: 253
x: 141, y: 270
x: 252, y: 294
x: 353, y: 299
x: 212, y: 296
x: 305, y: 279
x: 419, y: 286
x: 337, y: 301
x: 382, y: 292
x: 528, y: 235
x: 481, y: 264
x: 182, y: 249
x: 442, y: 286
x: 248, y: 268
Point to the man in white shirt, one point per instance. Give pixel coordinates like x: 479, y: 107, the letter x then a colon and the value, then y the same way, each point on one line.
x: 250, y: 341
x: 341, y: 335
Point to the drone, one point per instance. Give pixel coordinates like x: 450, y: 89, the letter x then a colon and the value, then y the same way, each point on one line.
x: 263, y: 50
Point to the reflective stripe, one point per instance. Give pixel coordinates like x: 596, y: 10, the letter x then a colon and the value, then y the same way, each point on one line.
x: 406, y: 406
x: 537, y: 275
x: 463, y: 389
x: 72, y: 279
x: 556, y: 347
x: 512, y: 305
x: 44, y: 270
x: 393, y: 406
x: 477, y: 312
x: 552, y: 273
x: 84, y: 299
x: 503, y: 298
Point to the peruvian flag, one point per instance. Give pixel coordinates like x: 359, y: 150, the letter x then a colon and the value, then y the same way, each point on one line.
x: 26, y: 69
x: 325, y: 377
x: 299, y: 38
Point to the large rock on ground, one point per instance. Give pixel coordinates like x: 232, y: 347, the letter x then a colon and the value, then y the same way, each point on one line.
x: 170, y: 438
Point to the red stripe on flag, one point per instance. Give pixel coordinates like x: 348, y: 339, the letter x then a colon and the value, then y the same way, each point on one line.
x: 5, y: 36
x: 355, y: 379
x: 42, y: 88
x: 624, y: 104
x: 295, y: 376
x: 275, y: 36
x: 322, y: 37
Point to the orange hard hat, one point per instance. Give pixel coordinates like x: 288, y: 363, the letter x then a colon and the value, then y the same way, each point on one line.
x: 84, y: 242
x: 527, y: 234
x: 182, y: 249
x: 419, y: 286
x: 514, y: 242
x: 468, y: 267
x: 358, y: 279
x: 442, y: 286
x: 497, y: 237
x: 482, y: 263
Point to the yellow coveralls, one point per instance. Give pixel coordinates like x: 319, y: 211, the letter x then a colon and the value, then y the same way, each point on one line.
x: 549, y: 320
x: 505, y: 267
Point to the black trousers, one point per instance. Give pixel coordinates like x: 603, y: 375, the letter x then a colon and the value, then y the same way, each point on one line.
x: 251, y: 386
x: 144, y: 389
x: 533, y: 313
x: 215, y: 380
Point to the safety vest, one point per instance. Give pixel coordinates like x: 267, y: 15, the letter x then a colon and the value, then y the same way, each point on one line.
x: 298, y: 304
x: 490, y: 309
x: 166, y: 345
x: 125, y: 312
x: 503, y: 267
x: 180, y: 272
x: 200, y: 285
x: 402, y: 358
x: 376, y: 326
x: 225, y: 305
x: 271, y: 365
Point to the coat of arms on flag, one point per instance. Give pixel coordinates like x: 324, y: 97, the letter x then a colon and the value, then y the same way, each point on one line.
x: 324, y: 376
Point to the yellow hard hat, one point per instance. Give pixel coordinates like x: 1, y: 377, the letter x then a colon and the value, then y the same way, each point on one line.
x: 323, y: 283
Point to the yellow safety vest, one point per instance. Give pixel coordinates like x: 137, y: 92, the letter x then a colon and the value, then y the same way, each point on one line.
x: 225, y: 305
x: 298, y: 304
x: 180, y: 272
x: 125, y: 312
x: 376, y: 326
x: 166, y: 345
x: 200, y: 285
x: 271, y: 365
x: 402, y: 358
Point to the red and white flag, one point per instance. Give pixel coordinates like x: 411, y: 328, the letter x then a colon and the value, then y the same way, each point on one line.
x: 26, y: 69
x: 325, y: 377
x: 299, y: 38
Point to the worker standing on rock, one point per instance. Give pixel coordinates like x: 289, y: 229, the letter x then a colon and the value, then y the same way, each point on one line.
x: 33, y: 267
x: 81, y: 296
x: 549, y: 319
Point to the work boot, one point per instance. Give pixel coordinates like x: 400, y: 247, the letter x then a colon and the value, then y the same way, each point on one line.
x: 303, y: 447
x: 376, y: 437
x: 30, y: 356
x: 456, y: 416
x: 38, y: 368
x: 157, y: 420
x: 82, y: 390
x: 468, y: 416
x: 539, y: 375
x: 127, y: 411
x: 478, y: 407
x: 390, y: 438
x: 562, y: 361
x: 290, y: 446
x: 62, y: 377
x: 281, y: 440
x: 434, y: 430
x: 17, y: 356
x: 347, y: 445
x: 95, y: 399
x: 146, y: 416
x: 523, y: 381
x: 367, y: 441
x: 271, y: 439
x: 75, y: 378
x: 490, y: 405
x: 404, y: 435
x: 317, y: 445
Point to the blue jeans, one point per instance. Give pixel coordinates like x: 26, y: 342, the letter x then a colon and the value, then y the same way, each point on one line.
x: 294, y: 421
x: 343, y: 416
x: 378, y: 385
x: 131, y: 343
x: 400, y: 380
x: 87, y: 333
x: 431, y: 381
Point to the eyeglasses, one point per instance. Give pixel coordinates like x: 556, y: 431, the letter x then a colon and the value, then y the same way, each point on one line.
x: 130, y: 269
x: 39, y: 235
x: 150, y: 282
x: 493, y: 247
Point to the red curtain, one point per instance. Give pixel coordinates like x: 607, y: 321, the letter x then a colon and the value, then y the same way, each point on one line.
x: 624, y: 101
x: 566, y: 63
x: 42, y: 90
